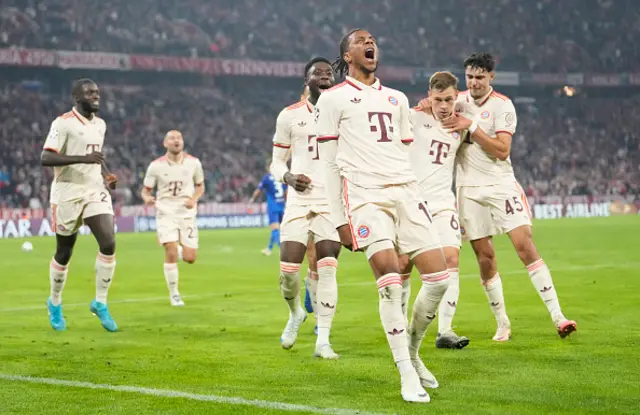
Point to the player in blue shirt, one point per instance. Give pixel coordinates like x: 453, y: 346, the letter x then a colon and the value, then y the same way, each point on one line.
x: 275, y: 193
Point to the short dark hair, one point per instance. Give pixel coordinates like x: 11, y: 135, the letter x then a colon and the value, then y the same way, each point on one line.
x: 77, y: 88
x: 443, y: 80
x: 480, y: 60
x: 313, y: 62
x: 340, y: 66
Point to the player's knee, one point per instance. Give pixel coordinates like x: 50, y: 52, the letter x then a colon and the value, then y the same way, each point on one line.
x: 63, y: 255
x: 486, y: 261
x: 108, y: 246
x: 171, y: 253
x: 452, y: 260
x: 404, y: 263
x: 485, y: 255
x: 189, y: 256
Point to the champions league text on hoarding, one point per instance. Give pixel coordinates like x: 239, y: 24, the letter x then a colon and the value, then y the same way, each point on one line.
x: 24, y: 228
x: 148, y: 223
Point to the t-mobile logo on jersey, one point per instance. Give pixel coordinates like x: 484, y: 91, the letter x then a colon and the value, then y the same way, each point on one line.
x: 175, y: 187
x: 441, y: 151
x: 382, y: 125
x: 92, y: 148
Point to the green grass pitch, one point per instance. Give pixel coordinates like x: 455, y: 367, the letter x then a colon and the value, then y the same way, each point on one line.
x: 225, y: 342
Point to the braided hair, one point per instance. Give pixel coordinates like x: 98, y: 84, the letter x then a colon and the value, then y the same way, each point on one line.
x: 340, y: 66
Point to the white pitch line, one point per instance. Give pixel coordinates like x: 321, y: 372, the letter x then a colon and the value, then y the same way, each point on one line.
x: 168, y: 393
x: 346, y: 284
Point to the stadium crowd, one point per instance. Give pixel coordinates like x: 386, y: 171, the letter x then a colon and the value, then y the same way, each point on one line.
x: 562, y: 147
x: 549, y: 36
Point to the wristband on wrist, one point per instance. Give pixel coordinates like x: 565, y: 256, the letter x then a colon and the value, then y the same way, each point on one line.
x: 473, y: 127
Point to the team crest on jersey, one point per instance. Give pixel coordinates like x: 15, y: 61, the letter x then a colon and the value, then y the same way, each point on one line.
x: 364, y: 231
x: 485, y: 115
x: 456, y: 135
x: 393, y: 100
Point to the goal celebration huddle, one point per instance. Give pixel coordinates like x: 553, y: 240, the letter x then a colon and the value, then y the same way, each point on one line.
x: 402, y: 187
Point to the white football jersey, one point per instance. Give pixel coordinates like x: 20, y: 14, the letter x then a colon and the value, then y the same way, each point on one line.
x: 176, y: 183
x: 72, y: 134
x: 433, y: 155
x: 295, y: 130
x: 372, y: 126
x: 495, y: 113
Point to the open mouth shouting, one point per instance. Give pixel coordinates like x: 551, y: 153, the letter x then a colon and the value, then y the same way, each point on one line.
x: 370, y: 54
x: 323, y: 86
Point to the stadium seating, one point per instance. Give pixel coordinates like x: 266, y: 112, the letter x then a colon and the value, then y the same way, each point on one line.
x: 549, y: 36
x: 562, y: 147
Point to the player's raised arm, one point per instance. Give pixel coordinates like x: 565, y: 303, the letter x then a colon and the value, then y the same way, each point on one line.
x: 54, y: 144
x: 149, y: 184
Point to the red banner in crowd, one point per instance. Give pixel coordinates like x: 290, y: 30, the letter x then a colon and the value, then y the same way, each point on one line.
x: 248, y: 67
x: 237, y: 67
x: 27, y: 57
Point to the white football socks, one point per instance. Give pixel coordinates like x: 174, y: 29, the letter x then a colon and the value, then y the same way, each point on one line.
x: 290, y: 285
x: 57, y: 278
x: 105, y: 268
x: 327, y: 297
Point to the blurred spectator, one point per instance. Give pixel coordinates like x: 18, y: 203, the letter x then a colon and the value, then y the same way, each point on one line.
x: 562, y: 146
x: 536, y: 35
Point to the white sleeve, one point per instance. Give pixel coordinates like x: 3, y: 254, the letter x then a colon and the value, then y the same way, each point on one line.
x: 198, y: 173
x: 506, y: 119
x: 149, y: 178
x: 279, y: 160
x: 333, y: 183
x: 406, y: 126
x: 57, y: 137
x: 327, y: 118
x: 281, y: 146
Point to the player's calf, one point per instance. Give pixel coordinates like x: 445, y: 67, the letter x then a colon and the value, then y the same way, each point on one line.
x: 522, y: 239
x: 435, y: 280
x: 327, y: 300
x: 384, y: 263
x: 171, y: 273
x: 492, y: 285
x: 447, y: 338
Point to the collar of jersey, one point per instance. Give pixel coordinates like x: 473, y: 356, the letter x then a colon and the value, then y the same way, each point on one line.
x: 360, y: 86
x: 81, y: 117
x: 310, y: 106
x: 481, y: 101
x: 181, y: 161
